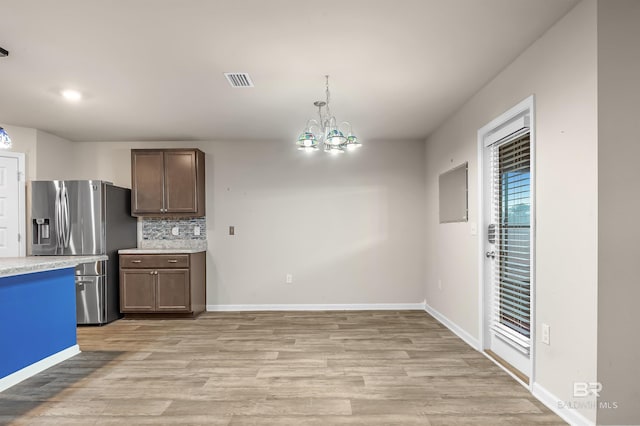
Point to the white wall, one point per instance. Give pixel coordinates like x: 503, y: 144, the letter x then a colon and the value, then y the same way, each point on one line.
x: 47, y: 156
x: 619, y: 203
x: 350, y: 228
x: 560, y: 69
x: 56, y: 157
x: 24, y: 140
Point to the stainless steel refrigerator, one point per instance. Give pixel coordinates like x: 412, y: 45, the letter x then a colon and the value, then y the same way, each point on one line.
x: 85, y: 217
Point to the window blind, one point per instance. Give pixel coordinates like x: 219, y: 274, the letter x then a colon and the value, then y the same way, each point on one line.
x: 511, y: 193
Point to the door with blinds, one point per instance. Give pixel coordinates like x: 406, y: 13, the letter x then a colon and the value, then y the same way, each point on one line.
x: 508, y: 209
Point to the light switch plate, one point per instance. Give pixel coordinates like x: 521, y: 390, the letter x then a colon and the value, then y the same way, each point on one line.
x: 196, y: 231
x: 546, y: 331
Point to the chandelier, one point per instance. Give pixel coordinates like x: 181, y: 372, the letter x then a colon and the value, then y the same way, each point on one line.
x: 5, y: 140
x: 326, y: 132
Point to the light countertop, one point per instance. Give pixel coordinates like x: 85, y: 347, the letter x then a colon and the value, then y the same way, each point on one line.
x: 10, y: 266
x: 161, y: 251
x: 167, y: 247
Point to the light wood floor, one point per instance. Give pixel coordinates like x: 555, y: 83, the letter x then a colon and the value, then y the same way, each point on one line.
x: 277, y: 368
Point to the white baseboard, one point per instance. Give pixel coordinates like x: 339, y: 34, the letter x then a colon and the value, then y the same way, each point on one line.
x: 570, y: 415
x: 469, y: 339
x: 20, y: 375
x: 320, y: 307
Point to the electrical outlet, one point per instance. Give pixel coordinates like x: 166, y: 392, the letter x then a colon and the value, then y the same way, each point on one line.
x: 196, y: 231
x: 439, y: 284
x: 289, y: 279
x: 546, y: 338
x: 175, y: 231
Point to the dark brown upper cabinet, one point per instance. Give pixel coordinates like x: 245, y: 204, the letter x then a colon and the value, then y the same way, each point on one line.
x: 167, y: 182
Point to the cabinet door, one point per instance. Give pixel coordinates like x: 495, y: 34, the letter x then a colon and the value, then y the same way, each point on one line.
x: 137, y: 290
x: 172, y: 291
x: 147, y: 182
x: 180, y: 182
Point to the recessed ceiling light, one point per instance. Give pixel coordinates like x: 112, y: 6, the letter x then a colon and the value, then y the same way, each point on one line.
x: 71, y: 95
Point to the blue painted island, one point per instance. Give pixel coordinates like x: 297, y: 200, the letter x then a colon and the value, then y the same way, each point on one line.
x: 37, y: 314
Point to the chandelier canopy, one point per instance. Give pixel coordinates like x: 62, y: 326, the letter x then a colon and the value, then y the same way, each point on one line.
x: 326, y: 132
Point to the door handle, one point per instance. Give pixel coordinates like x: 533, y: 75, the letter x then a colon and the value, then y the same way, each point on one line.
x: 490, y: 254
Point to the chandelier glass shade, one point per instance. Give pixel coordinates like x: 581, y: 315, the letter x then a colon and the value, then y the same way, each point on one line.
x: 326, y: 132
x: 5, y: 140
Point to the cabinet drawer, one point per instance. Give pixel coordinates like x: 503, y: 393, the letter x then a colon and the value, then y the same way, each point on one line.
x: 154, y: 261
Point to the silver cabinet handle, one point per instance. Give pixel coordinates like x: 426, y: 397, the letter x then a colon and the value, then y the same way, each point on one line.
x: 172, y: 261
x: 136, y: 261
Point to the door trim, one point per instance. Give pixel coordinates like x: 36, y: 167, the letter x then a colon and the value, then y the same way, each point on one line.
x: 22, y: 207
x: 491, y: 129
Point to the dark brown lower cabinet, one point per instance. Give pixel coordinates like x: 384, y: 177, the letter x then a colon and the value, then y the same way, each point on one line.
x: 171, y: 284
x: 137, y: 290
x: 172, y: 290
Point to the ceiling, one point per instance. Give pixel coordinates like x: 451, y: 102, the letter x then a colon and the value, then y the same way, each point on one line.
x: 153, y: 69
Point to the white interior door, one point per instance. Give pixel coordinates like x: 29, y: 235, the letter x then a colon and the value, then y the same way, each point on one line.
x: 12, y: 206
x: 508, y: 241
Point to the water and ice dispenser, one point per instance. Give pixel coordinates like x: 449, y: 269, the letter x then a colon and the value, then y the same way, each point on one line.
x: 41, y: 234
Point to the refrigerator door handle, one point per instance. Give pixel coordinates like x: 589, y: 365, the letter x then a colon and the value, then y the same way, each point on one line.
x: 58, y: 219
x: 66, y: 217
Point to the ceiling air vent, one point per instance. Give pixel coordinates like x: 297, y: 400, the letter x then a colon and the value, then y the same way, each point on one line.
x: 238, y: 79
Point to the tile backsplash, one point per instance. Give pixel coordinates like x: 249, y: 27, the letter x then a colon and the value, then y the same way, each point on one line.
x: 160, y: 228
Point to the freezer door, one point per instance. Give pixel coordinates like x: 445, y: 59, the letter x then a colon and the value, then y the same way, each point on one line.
x: 90, y: 299
x: 92, y: 268
x: 45, y: 216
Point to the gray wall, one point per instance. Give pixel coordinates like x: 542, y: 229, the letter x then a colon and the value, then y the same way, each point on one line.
x: 560, y: 69
x: 349, y: 228
x: 618, y: 208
